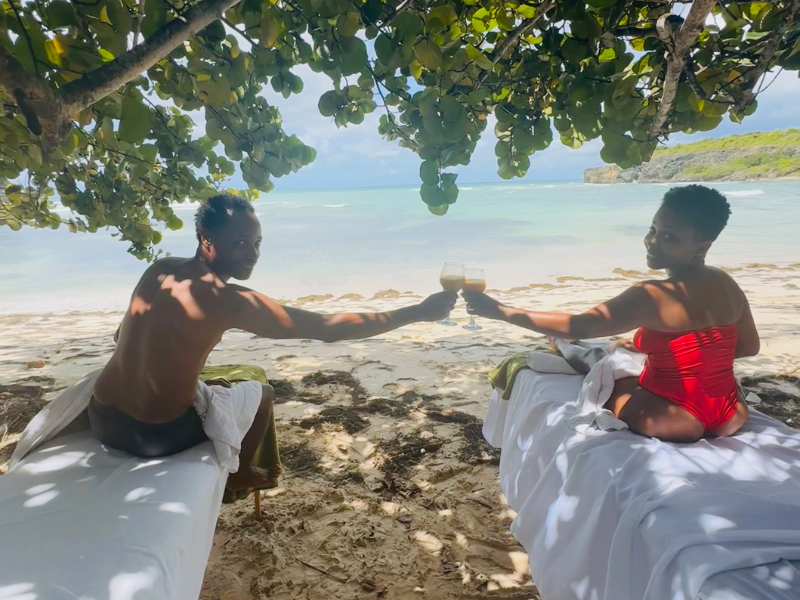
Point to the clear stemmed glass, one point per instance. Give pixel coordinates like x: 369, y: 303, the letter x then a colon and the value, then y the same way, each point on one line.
x: 475, y: 282
x: 452, y: 279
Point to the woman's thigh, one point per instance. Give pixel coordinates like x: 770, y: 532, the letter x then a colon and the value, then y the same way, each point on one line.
x: 735, y: 424
x: 652, y: 415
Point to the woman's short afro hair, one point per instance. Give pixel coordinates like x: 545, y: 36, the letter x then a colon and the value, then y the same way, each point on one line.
x: 216, y: 212
x: 704, y: 209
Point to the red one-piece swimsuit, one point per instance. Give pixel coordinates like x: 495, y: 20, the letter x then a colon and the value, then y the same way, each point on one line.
x: 694, y: 370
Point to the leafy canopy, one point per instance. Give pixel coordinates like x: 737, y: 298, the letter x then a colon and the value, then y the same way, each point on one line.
x: 124, y: 107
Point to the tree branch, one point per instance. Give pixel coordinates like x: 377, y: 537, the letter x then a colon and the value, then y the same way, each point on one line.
x: 33, y: 98
x: 754, y: 75
x: 514, y: 36
x: 680, y: 43
x: 137, y: 22
x: 101, y: 82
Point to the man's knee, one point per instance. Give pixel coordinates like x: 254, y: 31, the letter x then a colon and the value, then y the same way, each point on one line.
x: 267, y: 396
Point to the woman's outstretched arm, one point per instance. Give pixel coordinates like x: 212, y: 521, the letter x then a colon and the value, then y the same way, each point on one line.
x: 635, y: 307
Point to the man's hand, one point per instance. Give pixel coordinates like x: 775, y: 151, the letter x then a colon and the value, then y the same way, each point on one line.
x: 436, y: 306
x: 482, y: 305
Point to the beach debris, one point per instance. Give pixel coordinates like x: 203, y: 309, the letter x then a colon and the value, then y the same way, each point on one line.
x: 779, y: 395
x: 357, y: 392
x: 35, y: 364
x: 476, y: 450
x: 301, y: 459
x: 344, y: 416
x: 284, y: 390
x: 405, y: 451
x: 19, y: 403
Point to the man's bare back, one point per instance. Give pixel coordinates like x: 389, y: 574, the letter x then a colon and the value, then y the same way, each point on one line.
x: 176, y: 317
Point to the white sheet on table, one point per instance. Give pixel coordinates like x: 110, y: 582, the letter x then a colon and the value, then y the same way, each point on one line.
x: 227, y: 415
x: 616, y: 516
x: 81, y: 521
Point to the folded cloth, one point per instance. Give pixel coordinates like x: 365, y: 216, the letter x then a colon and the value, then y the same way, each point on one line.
x: 227, y: 414
x: 504, y: 375
x: 616, y: 516
x: 267, y: 455
x: 597, y: 388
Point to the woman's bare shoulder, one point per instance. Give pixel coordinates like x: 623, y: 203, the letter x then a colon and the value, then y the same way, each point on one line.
x: 725, y: 279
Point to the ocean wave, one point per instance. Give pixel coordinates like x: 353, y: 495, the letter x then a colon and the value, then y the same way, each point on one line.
x: 333, y: 205
x: 744, y: 193
x: 466, y: 189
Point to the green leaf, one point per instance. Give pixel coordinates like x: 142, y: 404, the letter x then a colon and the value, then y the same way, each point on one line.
x: 607, y: 55
x: 479, y: 58
x: 59, y: 14
x: 526, y: 11
x: 432, y: 194
x: 52, y: 49
x: 174, y: 223
x: 440, y: 210
x: 429, y: 54
x: 408, y: 25
x: 769, y: 17
x: 354, y: 57
x: 601, y: 3
x: 481, y: 20
x: 445, y: 13
x: 135, y: 123
x: 330, y: 103
x: 349, y: 23
x: 429, y: 172
x: 574, y: 50
x: 155, y: 16
x: 383, y: 48
x: 270, y: 29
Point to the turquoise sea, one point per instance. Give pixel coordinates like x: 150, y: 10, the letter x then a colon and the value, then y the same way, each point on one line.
x: 365, y: 240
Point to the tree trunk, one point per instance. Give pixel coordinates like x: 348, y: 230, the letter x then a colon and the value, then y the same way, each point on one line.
x: 679, y: 44
x: 48, y: 112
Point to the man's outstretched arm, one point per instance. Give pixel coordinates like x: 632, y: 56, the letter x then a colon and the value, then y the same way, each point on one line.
x: 259, y: 314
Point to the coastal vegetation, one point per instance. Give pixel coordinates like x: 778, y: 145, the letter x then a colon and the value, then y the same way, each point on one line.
x: 770, y: 155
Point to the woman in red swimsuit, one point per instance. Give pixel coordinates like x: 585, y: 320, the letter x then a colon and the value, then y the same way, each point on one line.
x: 691, y: 325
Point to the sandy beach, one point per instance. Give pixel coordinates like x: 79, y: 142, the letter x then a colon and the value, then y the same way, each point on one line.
x: 389, y: 489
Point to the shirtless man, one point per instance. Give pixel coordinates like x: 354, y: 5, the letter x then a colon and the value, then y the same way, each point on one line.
x: 143, y: 399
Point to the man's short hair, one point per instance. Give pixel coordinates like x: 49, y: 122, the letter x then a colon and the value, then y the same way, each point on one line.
x: 216, y: 212
x: 700, y: 207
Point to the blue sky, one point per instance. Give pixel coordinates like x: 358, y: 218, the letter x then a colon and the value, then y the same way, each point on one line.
x: 357, y: 156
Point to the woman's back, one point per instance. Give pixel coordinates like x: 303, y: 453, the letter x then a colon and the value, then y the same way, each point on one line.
x: 695, y: 299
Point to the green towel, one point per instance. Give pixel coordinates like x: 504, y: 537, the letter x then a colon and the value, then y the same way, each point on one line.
x: 506, y: 372
x: 267, y: 456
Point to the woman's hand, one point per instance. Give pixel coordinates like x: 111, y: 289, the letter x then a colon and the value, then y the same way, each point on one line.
x: 482, y: 305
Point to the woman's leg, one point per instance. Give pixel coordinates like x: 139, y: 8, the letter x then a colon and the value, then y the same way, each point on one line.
x: 735, y: 424
x: 652, y: 415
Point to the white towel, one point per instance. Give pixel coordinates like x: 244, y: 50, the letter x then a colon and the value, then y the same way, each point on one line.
x: 227, y: 415
x: 597, y: 386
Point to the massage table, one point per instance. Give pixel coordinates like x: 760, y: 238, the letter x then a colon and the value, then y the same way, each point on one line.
x: 79, y: 521
x: 596, y: 511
